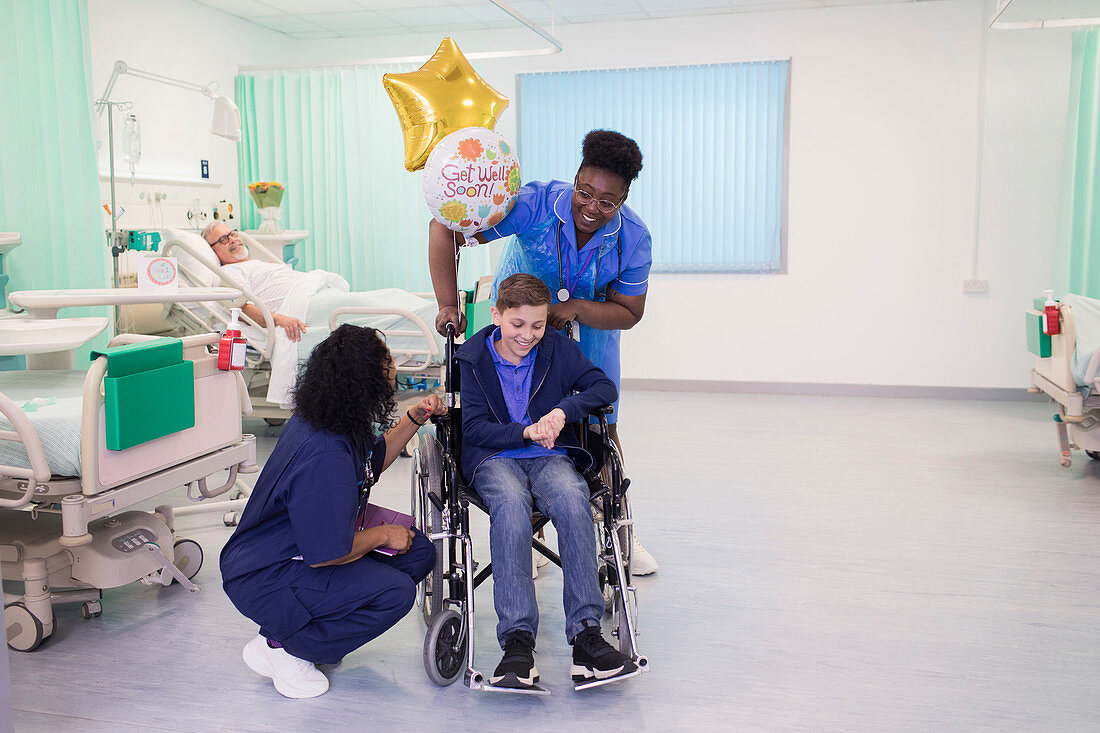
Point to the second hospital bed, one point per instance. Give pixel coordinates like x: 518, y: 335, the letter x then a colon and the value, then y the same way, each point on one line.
x: 402, y: 316
x: 1067, y: 369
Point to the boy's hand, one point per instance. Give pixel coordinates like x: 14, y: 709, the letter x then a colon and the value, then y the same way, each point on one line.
x: 534, y: 433
x: 549, y: 427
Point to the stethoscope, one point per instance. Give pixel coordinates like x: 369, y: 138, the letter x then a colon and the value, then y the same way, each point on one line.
x: 364, y: 489
x: 565, y: 293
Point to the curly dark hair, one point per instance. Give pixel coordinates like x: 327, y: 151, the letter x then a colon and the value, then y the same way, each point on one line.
x: 612, y: 151
x: 344, y: 387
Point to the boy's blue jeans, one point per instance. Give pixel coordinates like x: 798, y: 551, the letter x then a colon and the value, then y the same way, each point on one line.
x: 510, y: 488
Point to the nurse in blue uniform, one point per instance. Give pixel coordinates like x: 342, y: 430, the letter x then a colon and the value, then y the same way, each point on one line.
x: 591, y: 250
x: 297, y: 564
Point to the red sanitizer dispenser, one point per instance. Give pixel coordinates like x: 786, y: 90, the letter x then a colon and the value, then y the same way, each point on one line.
x: 1051, y: 318
x: 231, y: 346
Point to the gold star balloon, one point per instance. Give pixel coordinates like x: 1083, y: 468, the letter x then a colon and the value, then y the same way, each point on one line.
x: 444, y: 95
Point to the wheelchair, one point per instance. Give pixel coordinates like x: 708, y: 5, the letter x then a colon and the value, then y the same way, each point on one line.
x: 441, y: 502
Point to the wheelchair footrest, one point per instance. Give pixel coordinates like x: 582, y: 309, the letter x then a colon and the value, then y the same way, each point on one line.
x: 532, y: 690
x: 579, y: 683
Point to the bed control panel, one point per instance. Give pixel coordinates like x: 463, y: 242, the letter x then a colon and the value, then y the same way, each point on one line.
x: 133, y: 540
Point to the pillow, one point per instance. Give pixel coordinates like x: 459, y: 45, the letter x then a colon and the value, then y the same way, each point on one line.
x: 202, y: 263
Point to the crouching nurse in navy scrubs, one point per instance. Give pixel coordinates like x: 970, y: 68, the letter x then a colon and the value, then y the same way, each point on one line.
x: 296, y: 564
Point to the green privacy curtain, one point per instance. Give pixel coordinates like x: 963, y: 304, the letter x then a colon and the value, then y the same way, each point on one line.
x: 49, y: 186
x: 1080, y: 259
x: 331, y: 136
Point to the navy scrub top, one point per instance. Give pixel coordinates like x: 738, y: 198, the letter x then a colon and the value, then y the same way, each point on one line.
x: 304, y: 504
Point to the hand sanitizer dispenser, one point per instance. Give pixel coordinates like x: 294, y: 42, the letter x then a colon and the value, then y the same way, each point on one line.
x: 231, y: 347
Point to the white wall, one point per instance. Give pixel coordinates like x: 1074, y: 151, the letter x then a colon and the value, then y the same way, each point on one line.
x: 186, y: 41
x: 883, y: 152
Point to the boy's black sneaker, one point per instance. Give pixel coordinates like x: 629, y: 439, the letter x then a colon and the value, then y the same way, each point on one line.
x: 517, y: 667
x: 595, y: 659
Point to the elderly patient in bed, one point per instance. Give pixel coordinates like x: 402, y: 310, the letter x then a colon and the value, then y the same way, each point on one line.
x: 270, y: 281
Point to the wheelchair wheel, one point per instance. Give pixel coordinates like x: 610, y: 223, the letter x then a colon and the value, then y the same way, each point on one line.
x: 445, y: 648
x: 427, y: 478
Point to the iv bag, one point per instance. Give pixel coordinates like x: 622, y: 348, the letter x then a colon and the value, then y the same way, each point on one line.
x: 131, y: 140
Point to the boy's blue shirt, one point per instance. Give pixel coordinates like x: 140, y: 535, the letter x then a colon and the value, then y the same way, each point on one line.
x: 560, y: 369
x: 515, y: 383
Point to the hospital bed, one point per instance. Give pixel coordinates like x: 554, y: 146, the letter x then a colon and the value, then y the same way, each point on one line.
x: 76, y: 457
x: 1066, y: 369
x: 403, y: 317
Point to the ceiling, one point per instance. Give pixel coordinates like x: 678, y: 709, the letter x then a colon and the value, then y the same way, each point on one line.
x: 320, y: 19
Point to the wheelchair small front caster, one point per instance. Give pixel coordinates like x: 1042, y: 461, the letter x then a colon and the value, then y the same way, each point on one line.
x: 91, y: 609
x: 444, y: 655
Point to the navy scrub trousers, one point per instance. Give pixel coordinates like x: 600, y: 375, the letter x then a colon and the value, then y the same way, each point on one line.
x: 343, y: 606
x: 301, y: 513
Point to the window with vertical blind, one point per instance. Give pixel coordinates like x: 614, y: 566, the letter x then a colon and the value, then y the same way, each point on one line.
x: 714, y: 142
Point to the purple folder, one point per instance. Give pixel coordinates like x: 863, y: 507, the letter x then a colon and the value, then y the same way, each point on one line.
x: 375, y: 516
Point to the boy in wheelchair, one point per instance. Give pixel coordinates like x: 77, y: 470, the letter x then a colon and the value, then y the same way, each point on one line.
x: 511, y: 373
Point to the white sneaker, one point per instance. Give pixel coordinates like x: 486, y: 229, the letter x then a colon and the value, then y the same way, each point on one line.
x: 537, y: 561
x: 641, y: 562
x: 293, y: 677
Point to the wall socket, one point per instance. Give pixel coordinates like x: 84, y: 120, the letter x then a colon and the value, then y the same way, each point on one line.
x: 975, y: 286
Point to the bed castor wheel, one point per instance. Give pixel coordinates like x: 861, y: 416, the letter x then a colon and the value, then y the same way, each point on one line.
x: 229, y: 519
x: 91, y: 609
x: 444, y: 654
x: 188, y: 554
x: 23, y: 629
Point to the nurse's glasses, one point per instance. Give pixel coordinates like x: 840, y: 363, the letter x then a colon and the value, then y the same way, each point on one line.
x: 585, y: 198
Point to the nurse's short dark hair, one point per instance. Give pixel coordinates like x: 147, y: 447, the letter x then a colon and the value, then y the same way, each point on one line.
x: 344, y: 387
x: 612, y: 151
x: 521, y: 289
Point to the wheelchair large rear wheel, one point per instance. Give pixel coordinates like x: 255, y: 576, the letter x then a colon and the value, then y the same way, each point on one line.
x: 445, y: 648
x: 427, y: 479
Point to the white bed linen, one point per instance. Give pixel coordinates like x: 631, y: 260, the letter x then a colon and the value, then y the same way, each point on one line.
x: 1086, y: 319
x: 58, y: 424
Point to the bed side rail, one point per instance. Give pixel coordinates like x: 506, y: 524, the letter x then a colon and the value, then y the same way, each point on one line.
x: 25, y: 433
x: 194, y: 349
x: 431, y: 349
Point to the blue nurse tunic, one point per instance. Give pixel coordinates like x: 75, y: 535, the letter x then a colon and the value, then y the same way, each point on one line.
x: 302, y: 512
x: 619, y: 255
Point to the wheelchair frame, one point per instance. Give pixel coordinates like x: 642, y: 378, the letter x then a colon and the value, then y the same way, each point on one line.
x: 440, y: 505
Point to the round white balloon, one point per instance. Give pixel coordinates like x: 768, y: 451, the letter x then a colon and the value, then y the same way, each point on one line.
x: 471, y: 180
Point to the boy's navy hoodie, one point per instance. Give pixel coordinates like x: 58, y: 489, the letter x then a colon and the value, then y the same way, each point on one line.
x: 560, y: 370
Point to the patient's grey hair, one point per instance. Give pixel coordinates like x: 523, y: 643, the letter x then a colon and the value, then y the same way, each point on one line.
x: 209, y: 228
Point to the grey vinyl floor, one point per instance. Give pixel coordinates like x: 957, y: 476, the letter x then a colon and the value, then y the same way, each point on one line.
x: 827, y: 564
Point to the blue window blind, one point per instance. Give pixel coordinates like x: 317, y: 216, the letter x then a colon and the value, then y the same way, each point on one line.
x: 714, y: 141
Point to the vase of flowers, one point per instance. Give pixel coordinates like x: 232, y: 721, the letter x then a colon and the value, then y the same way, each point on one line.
x: 268, y: 197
